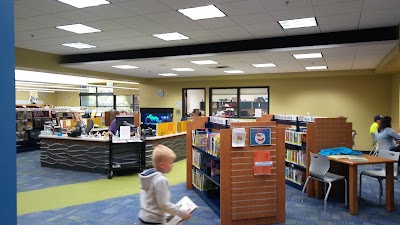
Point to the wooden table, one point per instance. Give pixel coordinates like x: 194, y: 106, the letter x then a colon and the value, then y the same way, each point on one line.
x: 353, y: 177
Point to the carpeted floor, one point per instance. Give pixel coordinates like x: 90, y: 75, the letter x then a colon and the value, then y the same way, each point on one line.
x: 55, y: 197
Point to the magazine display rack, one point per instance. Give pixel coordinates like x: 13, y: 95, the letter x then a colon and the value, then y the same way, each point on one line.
x: 247, y: 198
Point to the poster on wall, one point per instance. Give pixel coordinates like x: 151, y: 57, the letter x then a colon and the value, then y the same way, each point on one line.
x: 262, y: 163
x: 238, y: 137
x: 260, y: 136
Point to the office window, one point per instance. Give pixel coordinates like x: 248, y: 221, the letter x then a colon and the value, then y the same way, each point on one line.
x: 239, y: 102
x: 124, y: 102
x: 88, y: 100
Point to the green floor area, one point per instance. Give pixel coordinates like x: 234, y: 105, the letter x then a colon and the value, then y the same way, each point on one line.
x: 86, y: 192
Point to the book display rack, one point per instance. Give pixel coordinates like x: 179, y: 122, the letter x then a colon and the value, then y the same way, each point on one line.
x: 220, y: 173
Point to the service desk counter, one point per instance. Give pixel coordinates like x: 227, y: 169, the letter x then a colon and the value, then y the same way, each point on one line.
x: 91, y: 154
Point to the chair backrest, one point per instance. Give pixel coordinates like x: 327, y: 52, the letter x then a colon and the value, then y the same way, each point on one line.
x: 373, y: 139
x: 90, y: 125
x: 382, y: 144
x: 319, y: 165
x: 391, y: 155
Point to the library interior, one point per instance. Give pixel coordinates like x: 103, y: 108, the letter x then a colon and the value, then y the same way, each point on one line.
x: 278, y: 112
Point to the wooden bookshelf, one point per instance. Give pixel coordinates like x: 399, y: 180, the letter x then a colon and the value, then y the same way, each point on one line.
x: 247, y: 198
x: 327, y: 133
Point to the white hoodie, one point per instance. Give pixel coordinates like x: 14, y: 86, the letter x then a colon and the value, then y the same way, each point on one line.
x: 155, y: 197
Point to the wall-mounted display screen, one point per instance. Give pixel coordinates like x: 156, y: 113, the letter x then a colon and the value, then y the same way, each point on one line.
x: 151, y: 116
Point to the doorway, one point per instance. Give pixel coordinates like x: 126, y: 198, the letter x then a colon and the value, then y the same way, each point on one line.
x: 193, y: 101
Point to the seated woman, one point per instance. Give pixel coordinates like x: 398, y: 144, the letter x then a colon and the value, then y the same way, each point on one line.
x: 80, y: 126
x: 386, y: 135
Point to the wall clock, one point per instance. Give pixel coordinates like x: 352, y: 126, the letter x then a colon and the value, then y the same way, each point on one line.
x: 160, y: 93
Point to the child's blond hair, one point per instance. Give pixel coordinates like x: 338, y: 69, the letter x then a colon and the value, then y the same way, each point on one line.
x: 162, y: 153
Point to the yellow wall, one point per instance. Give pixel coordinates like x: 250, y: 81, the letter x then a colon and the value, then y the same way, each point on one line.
x: 395, y: 113
x: 65, y: 98
x: 357, y: 97
x: 47, y: 98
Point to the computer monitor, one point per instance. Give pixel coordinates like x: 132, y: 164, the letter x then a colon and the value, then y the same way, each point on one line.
x: 125, y: 120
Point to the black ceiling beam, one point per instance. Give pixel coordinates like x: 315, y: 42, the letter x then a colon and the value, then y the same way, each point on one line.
x: 332, y: 38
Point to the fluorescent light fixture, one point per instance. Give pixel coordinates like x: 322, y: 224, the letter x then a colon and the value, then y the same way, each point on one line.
x: 316, y: 67
x: 49, y: 89
x: 204, y: 62
x: 125, y: 67
x: 307, y: 56
x: 234, y: 71
x: 84, y: 3
x: 27, y: 85
x: 202, y: 12
x: 78, y: 45
x: 168, y: 74
x: 298, y: 23
x: 35, y: 90
x: 79, y: 28
x: 182, y: 69
x: 264, y: 65
x: 171, y: 36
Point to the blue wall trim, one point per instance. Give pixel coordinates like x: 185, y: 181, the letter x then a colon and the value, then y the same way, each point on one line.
x: 8, y: 205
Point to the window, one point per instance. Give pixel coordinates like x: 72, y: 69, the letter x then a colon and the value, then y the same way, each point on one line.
x: 102, y: 99
x: 239, y: 102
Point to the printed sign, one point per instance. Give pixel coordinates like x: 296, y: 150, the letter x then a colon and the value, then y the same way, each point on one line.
x: 260, y: 136
x: 262, y: 163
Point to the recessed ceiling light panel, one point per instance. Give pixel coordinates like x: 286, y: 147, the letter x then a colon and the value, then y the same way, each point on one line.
x: 79, y: 28
x: 204, y: 62
x: 171, y: 36
x: 264, y: 65
x: 298, y: 23
x: 316, y: 67
x: 84, y: 3
x: 78, y: 45
x: 234, y: 71
x: 168, y: 74
x: 125, y: 67
x: 307, y: 56
x: 202, y: 12
x: 182, y: 69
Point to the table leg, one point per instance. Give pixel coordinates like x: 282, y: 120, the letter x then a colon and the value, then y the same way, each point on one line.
x: 389, y: 187
x: 353, y: 192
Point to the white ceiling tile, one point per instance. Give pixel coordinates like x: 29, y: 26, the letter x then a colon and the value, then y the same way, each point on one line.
x: 242, y: 7
x: 46, y: 6
x: 141, y: 7
x: 373, y: 5
x: 254, y: 18
x: 338, y: 22
x: 292, y: 13
x: 50, y: 20
x: 78, y: 16
x: 185, y: 26
x: 233, y: 33
x: 106, y: 25
x: 23, y: 25
x: 21, y: 11
x: 167, y: 17
x: 281, y: 5
x: 340, y: 8
x: 301, y: 31
x: 381, y: 19
x: 183, y: 4
x: 40, y: 34
x: 312, y: 62
x: 109, y: 11
x: 217, y: 22
x: 264, y: 30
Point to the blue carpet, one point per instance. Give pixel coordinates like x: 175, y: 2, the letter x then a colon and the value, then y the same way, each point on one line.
x: 124, y: 210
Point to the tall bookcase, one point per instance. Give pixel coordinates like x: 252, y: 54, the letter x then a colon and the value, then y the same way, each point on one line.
x: 247, y: 198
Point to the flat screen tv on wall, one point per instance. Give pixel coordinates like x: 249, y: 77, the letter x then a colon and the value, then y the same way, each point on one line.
x: 152, y: 116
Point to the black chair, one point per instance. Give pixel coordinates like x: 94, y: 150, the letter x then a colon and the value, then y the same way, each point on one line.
x: 90, y: 125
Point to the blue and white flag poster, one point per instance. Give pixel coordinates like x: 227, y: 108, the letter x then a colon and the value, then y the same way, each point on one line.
x: 260, y: 136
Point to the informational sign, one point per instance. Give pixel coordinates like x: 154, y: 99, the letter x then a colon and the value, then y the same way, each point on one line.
x: 125, y: 132
x: 262, y: 163
x: 238, y: 137
x: 260, y: 136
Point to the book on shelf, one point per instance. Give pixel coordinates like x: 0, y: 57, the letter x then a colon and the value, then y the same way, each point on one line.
x: 185, y: 204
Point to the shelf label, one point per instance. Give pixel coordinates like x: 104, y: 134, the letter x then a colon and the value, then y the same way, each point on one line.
x: 286, y: 117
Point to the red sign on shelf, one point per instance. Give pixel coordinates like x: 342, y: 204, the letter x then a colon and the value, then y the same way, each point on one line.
x: 262, y: 163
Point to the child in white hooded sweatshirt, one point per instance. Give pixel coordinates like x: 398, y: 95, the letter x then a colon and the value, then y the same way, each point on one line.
x: 154, y: 194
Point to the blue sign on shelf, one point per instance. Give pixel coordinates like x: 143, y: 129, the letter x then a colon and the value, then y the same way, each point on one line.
x: 260, y: 136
